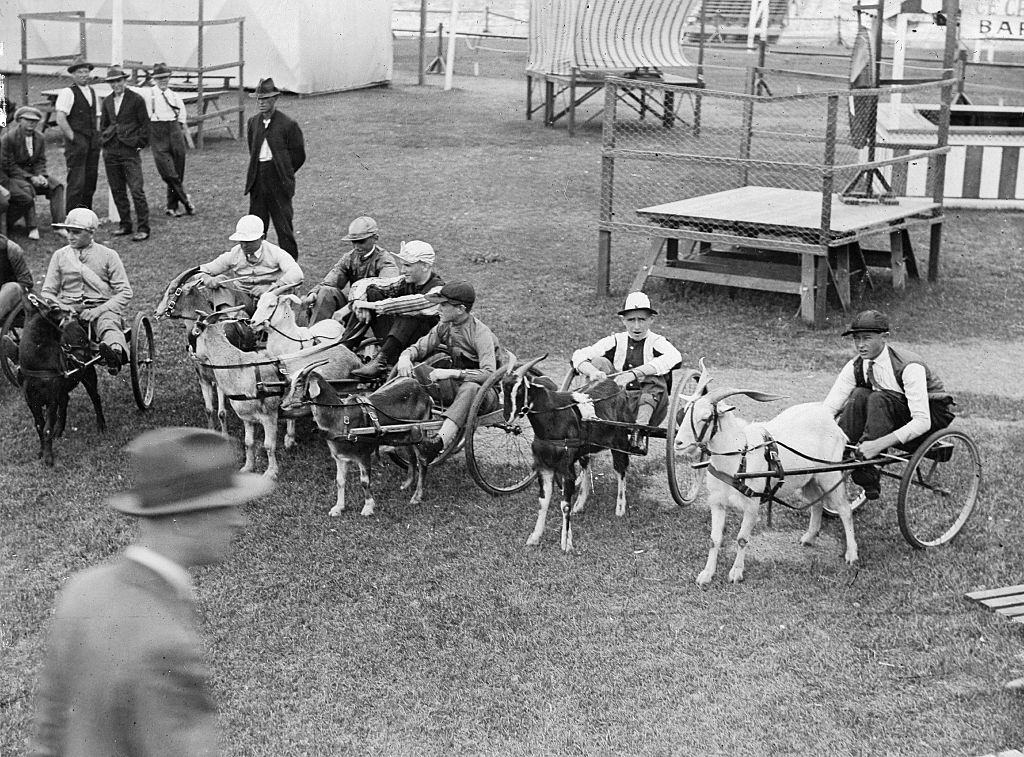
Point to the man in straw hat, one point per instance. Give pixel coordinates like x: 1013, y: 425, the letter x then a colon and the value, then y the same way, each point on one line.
x: 125, y: 670
x: 884, y: 397
x: 124, y: 131
x: 76, y: 111
x: 366, y: 260
x: 276, y: 151
x: 24, y: 170
x: 639, y: 360
x: 168, y: 121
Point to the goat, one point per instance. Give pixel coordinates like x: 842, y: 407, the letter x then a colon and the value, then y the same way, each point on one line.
x: 51, y: 339
x: 399, y: 402
x: 796, y: 436
x: 185, y: 298
x: 562, y: 439
x: 238, y: 374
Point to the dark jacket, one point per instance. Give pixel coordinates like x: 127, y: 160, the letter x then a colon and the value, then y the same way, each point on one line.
x: 12, y: 264
x: 15, y: 162
x: 128, y: 129
x: 286, y: 144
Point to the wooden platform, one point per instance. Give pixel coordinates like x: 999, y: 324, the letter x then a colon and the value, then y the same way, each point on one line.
x: 773, y: 239
x: 1007, y: 601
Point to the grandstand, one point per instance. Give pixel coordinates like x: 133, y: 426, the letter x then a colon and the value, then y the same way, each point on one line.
x: 728, y: 20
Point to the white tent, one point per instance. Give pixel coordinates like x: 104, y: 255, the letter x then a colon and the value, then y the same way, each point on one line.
x: 308, y: 46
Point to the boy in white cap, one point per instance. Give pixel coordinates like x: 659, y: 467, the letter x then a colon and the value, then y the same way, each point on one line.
x: 23, y: 170
x: 400, y: 313
x: 637, y: 359
x: 250, y: 268
x: 366, y: 260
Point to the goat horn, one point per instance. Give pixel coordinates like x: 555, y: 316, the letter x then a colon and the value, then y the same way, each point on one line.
x: 306, y: 370
x: 721, y: 394
x: 525, y: 367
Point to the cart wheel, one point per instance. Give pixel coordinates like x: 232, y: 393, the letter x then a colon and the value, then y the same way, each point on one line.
x: 499, y: 453
x: 854, y: 495
x: 939, y: 488
x: 143, y: 362
x: 684, y: 480
x: 10, y: 334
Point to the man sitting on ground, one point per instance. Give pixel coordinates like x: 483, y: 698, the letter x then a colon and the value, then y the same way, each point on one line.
x: 884, y: 397
x: 400, y: 313
x: 455, y: 358
x: 250, y: 268
x: 24, y: 170
x: 366, y: 260
x: 637, y: 359
x: 15, y: 277
x: 90, y: 279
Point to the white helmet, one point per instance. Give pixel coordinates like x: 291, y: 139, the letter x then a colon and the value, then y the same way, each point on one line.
x: 80, y: 218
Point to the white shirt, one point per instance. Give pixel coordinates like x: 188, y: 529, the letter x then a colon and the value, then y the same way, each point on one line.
x: 273, y: 265
x: 164, y: 567
x: 29, y: 145
x: 66, y: 99
x: 915, y: 388
x: 118, y: 99
x: 265, y: 153
x: 159, y: 102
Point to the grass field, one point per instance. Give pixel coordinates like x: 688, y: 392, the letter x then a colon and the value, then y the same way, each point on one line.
x: 432, y: 629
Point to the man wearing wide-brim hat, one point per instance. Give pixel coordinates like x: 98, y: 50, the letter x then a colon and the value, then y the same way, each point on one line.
x: 277, y: 150
x: 124, y: 131
x: 168, y: 122
x: 23, y: 170
x: 884, y: 397
x: 125, y: 670
x: 76, y: 112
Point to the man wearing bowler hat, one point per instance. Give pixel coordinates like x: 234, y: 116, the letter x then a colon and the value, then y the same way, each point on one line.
x: 24, y: 173
x: 276, y: 152
x: 168, y: 121
x: 124, y: 131
x: 125, y: 671
x: 884, y: 397
x: 76, y: 112
x: 366, y: 260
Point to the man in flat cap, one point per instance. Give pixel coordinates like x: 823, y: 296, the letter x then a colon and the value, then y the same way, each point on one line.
x: 125, y: 672
x: 276, y: 151
x: 884, y: 397
x: 366, y: 260
x: 23, y: 155
x: 124, y: 131
x: 168, y: 121
x: 76, y: 111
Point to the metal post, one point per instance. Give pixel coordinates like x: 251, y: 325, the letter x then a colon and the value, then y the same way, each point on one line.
x: 951, y: 9
x: 199, y: 78
x: 421, y: 79
x: 604, y: 236
x: 24, y: 65
x: 241, y: 77
x: 747, y: 135
x: 82, y: 35
x: 700, y: 72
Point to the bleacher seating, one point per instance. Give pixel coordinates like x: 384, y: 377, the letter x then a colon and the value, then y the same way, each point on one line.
x: 726, y: 20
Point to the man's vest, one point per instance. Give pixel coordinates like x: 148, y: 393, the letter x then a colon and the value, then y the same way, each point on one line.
x: 82, y: 117
x: 899, y: 363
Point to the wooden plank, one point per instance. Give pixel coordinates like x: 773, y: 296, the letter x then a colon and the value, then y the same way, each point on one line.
x: 1015, y: 600
x: 652, y: 261
x: 1010, y: 612
x: 1002, y: 592
x: 727, y: 279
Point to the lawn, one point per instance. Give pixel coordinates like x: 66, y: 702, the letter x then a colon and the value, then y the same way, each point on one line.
x: 432, y: 629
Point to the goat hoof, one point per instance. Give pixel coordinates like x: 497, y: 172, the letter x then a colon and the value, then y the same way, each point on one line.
x: 703, y: 580
x: 735, y: 576
x: 336, y: 511
x: 533, y: 541
x: 416, y: 500
x: 807, y: 541
x: 271, y: 474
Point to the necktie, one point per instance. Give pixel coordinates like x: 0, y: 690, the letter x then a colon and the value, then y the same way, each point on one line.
x: 869, y: 373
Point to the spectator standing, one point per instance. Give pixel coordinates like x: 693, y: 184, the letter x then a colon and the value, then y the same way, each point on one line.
x: 76, y: 110
x: 23, y: 156
x: 124, y: 672
x: 124, y: 131
x: 276, y: 151
x: 168, y: 120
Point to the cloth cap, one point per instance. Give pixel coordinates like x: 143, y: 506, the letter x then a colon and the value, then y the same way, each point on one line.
x: 160, y: 71
x: 248, y: 229
x: 115, y: 73
x: 79, y: 218
x: 79, y: 62
x: 180, y: 470
x: 266, y: 88
x: 637, y: 301
x: 868, y: 322
x: 416, y: 252
x: 361, y: 228
x: 27, y: 111
x: 456, y: 292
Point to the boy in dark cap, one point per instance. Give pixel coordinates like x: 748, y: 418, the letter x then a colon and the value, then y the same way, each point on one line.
x: 884, y: 397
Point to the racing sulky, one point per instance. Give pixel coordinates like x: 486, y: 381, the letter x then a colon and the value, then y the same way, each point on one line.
x: 402, y: 402
x: 563, y: 442
x: 798, y: 437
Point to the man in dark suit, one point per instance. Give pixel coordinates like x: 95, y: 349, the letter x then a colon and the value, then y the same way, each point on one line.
x: 23, y: 172
x: 124, y: 131
x: 75, y: 111
x: 276, y: 152
x: 124, y: 673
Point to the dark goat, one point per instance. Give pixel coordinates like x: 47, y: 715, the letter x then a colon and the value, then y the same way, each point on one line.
x: 562, y: 440
x: 399, y: 402
x: 53, y: 358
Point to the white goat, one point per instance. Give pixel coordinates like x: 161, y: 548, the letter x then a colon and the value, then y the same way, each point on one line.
x: 710, y: 427
x: 275, y: 313
x: 237, y: 375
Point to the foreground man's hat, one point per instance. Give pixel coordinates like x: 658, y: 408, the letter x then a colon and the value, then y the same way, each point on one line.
x: 868, y: 322
x: 180, y: 470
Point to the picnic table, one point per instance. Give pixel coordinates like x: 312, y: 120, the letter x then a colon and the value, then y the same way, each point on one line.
x: 774, y: 239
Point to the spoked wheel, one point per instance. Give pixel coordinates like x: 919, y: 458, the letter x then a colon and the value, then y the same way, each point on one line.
x: 854, y: 495
x: 684, y: 480
x: 9, y: 339
x: 939, y: 488
x: 499, y: 452
x: 143, y: 362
